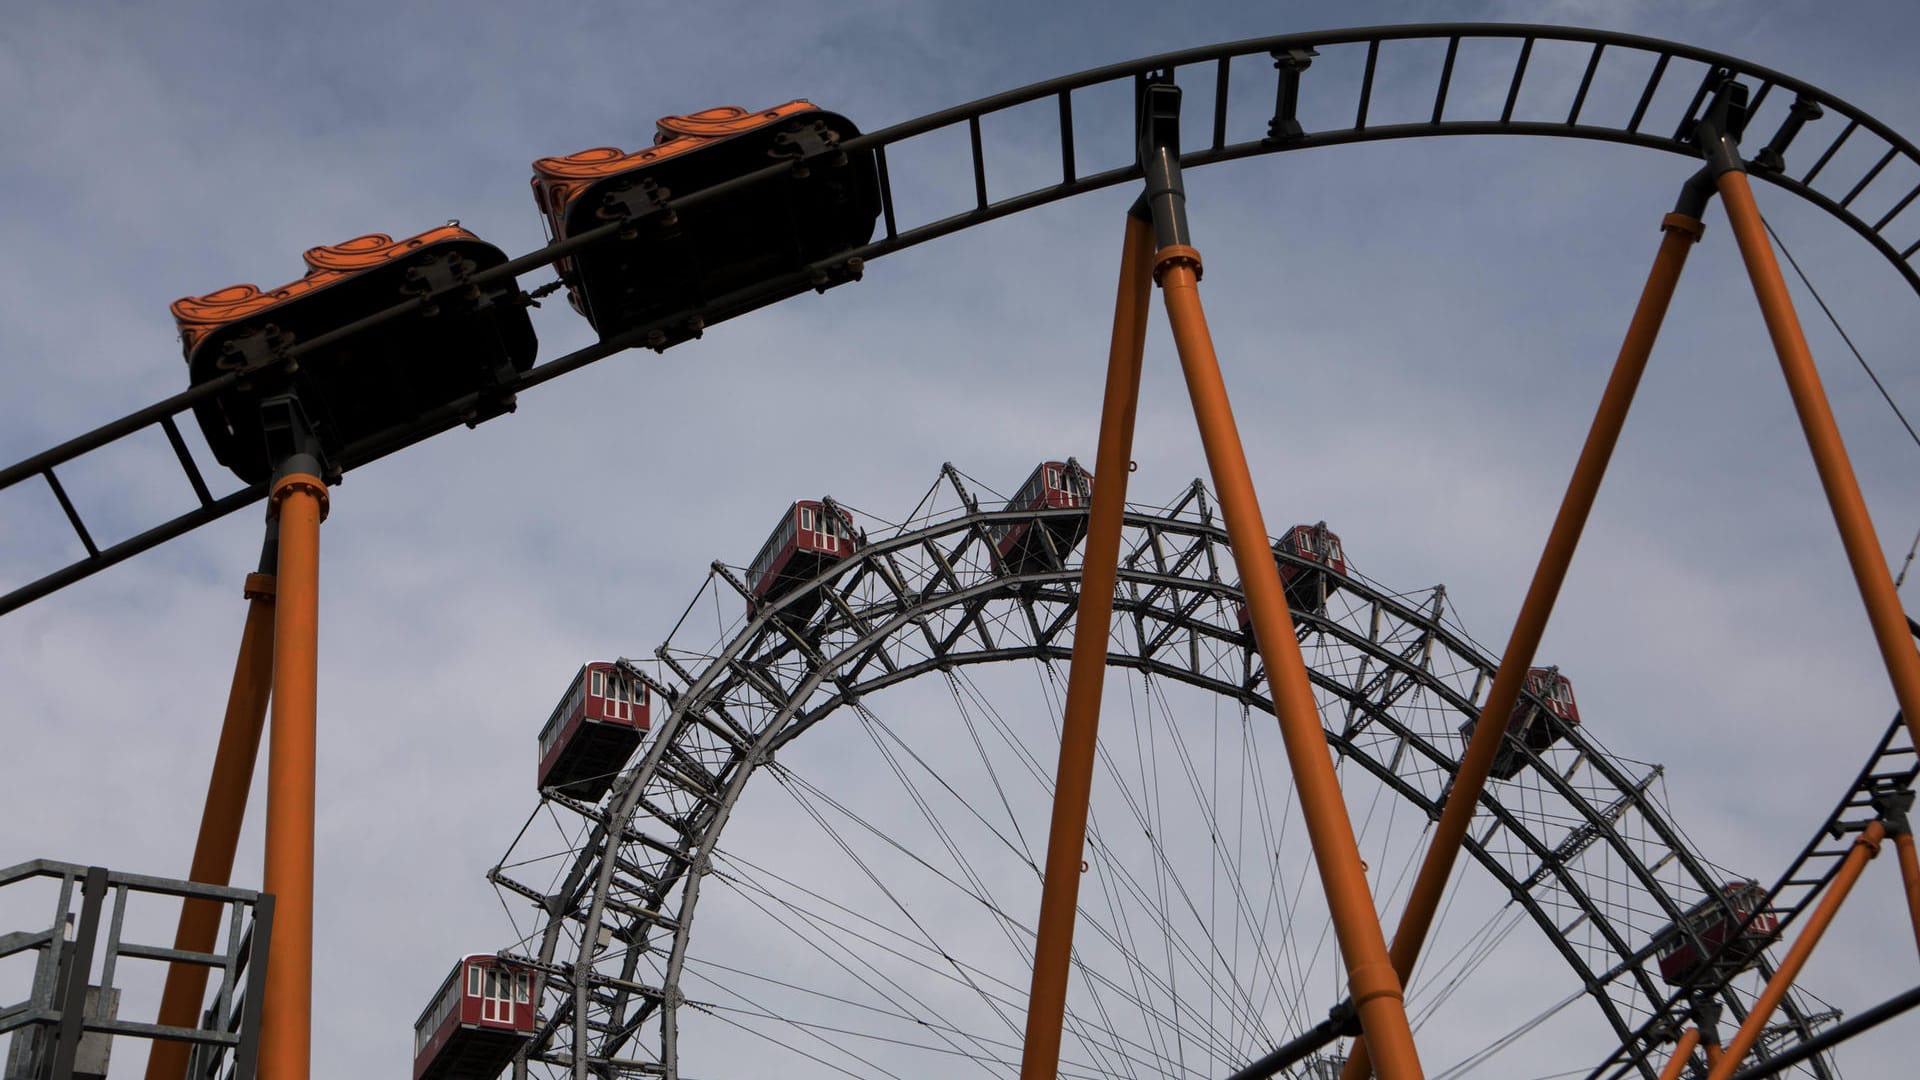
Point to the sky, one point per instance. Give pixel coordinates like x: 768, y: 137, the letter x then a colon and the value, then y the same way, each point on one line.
x: 1414, y: 333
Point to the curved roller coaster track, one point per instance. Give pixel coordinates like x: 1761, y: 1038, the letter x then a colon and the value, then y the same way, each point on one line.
x: 1577, y: 842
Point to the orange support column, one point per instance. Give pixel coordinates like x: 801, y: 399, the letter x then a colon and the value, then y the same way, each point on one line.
x: 286, y: 1012
x: 1681, y: 231
x: 1910, y: 876
x: 1370, y: 974
x: 1680, y: 1055
x: 1857, y: 534
x: 220, y: 822
x: 1086, y: 672
x: 1864, y: 848
x: 1894, y: 807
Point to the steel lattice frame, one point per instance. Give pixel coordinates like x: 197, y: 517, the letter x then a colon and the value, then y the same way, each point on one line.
x: 1394, y: 678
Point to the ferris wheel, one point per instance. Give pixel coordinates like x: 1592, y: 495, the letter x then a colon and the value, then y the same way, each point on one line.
x: 863, y: 905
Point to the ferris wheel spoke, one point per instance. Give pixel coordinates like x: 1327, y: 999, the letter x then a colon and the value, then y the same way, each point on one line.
x: 1202, y: 940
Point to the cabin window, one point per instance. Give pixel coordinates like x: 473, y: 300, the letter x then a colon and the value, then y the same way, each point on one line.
x: 1053, y: 479
x: 474, y: 978
x: 599, y: 684
x: 523, y: 988
x: 806, y: 519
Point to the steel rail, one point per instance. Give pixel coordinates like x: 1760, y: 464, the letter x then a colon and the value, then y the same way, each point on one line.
x: 1291, y: 55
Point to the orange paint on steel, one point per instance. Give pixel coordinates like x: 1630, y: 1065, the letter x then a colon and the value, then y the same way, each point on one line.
x: 1086, y: 672
x: 1857, y: 534
x: 286, y: 1010
x: 226, y: 808
x: 1370, y: 974
x: 1681, y: 1053
x: 1865, y: 847
x: 1713, y: 1052
x: 1417, y: 919
x: 1910, y: 876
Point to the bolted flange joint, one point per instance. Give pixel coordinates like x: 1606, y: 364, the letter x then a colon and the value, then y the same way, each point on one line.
x: 305, y: 483
x: 1177, y: 255
x: 259, y: 586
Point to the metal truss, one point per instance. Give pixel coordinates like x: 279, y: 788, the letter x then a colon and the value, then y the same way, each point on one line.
x: 68, y: 1022
x: 1858, y: 190
x: 1891, y: 767
x: 1578, y: 839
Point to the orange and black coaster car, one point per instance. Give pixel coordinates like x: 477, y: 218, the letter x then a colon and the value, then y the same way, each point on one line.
x: 373, y: 387
x: 732, y: 253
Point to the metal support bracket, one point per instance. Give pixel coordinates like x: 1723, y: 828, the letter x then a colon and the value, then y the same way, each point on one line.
x: 1717, y: 133
x: 293, y: 444
x: 1773, y: 157
x: 1893, y: 805
x: 1285, y: 127
x: 1159, y: 157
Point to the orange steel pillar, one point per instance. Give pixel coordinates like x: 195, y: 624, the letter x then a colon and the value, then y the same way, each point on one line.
x: 1910, y: 876
x: 286, y: 1013
x: 1857, y: 534
x: 1682, y: 228
x: 1370, y: 974
x: 226, y: 808
x: 1680, y: 1055
x: 1086, y: 672
x: 1894, y: 807
x: 1865, y: 847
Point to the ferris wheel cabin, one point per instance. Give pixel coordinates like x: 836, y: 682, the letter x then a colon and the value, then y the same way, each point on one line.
x: 454, y: 353
x: 809, y: 539
x: 1043, y: 543
x: 731, y: 253
x: 1311, y: 563
x: 1733, y: 929
x: 480, y: 1017
x: 1540, y: 718
x: 593, y: 731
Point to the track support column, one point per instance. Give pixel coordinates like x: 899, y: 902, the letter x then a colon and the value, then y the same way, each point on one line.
x: 1857, y: 535
x: 1895, y: 808
x: 1177, y: 269
x: 226, y: 809
x: 1865, y: 847
x: 1681, y: 230
x: 1086, y: 672
x: 1681, y: 1053
x: 299, y: 501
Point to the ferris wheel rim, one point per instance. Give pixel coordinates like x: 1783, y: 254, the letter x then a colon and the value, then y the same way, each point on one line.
x: 766, y: 623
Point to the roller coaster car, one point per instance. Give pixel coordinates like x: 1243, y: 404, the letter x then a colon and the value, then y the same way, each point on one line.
x: 1716, y: 921
x: 1307, y: 587
x: 1030, y: 544
x: 466, y: 344
x: 809, y: 539
x: 751, y: 246
x: 592, y: 732
x: 482, y: 1015
x: 1545, y: 692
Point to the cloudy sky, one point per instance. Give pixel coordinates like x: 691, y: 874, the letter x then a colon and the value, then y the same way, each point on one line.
x: 1415, y: 334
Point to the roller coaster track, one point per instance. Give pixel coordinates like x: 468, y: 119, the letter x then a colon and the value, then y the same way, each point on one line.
x: 1658, y: 68
x: 1890, y: 768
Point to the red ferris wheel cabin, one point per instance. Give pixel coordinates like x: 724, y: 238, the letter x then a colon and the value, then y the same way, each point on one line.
x: 1037, y: 544
x: 808, y: 539
x: 482, y: 1015
x: 1542, y: 715
x: 1717, y: 922
x: 1307, y: 586
x: 592, y: 732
